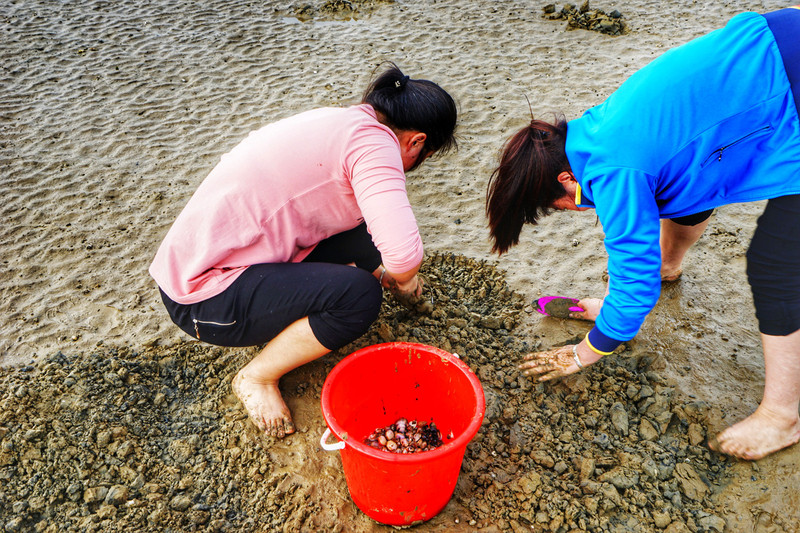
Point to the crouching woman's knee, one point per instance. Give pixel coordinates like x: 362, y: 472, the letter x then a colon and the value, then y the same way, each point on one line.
x: 352, y: 313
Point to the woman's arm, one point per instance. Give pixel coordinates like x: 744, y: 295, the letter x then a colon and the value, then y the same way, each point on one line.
x: 379, y: 185
x: 626, y: 205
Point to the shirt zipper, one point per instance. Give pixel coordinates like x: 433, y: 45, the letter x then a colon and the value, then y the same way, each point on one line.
x: 718, y: 151
x: 197, y: 330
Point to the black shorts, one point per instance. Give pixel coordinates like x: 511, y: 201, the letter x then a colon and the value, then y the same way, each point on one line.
x: 340, y: 301
x: 773, y: 266
x: 693, y: 220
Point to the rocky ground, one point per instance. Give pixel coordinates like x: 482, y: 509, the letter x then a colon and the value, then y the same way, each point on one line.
x: 587, y: 18
x: 335, y: 9
x: 151, y: 439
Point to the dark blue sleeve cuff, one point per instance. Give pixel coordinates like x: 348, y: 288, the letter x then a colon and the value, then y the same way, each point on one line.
x: 600, y: 342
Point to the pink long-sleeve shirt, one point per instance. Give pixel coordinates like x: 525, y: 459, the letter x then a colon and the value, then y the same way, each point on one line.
x: 282, y: 190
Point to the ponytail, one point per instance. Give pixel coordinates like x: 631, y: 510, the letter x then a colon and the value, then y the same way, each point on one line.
x: 525, y: 184
x: 414, y: 105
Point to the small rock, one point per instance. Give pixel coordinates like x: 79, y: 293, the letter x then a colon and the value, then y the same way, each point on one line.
x: 695, y: 433
x: 712, y: 523
x: 74, y: 491
x: 691, y: 483
x: 125, y: 449
x: 118, y: 494
x: 647, y: 431
x: 650, y: 467
x: 181, y: 450
x: 610, y: 493
x: 529, y: 483
x: 15, y: 524
x: 34, y: 434
x: 158, y: 516
x: 37, y: 504
x: 180, y: 503
x: 198, y: 517
x: 587, y: 468
x: 678, y: 526
x: 106, y: 512
x: 542, y: 458
x: 619, y: 417
x: 619, y: 478
x: 665, y: 468
x: 490, y: 322
x: 95, y: 494
x: 103, y: 438
x: 661, y: 519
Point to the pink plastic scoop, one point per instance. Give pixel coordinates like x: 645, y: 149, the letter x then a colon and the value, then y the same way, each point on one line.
x: 557, y: 306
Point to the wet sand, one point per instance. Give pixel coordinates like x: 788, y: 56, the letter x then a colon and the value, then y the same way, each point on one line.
x: 113, y: 113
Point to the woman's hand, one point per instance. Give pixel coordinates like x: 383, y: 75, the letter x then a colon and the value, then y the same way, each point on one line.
x: 410, y: 289
x: 544, y: 366
x: 409, y: 294
x: 591, y: 309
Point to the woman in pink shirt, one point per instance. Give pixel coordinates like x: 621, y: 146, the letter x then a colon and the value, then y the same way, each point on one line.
x: 292, y: 236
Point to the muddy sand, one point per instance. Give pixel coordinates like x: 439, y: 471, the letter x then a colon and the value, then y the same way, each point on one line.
x: 113, y: 420
x: 153, y: 439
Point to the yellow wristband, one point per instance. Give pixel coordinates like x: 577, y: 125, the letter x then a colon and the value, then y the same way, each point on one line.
x: 595, y: 350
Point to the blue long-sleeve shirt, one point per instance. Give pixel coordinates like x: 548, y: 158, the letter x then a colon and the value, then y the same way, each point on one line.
x: 709, y: 123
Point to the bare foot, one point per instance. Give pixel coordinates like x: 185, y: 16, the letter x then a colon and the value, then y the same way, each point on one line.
x: 757, y: 436
x: 265, y: 405
x: 671, y: 274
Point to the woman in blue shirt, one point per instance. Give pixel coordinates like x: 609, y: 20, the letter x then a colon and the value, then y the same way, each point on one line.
x: 709, y: 123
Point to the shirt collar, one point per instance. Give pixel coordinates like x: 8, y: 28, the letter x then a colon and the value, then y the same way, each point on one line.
x: 580, y: 199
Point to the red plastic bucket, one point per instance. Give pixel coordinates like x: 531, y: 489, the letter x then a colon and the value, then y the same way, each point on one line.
x: 374, y: 387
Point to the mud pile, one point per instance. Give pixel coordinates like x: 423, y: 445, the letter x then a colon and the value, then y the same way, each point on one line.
x: 336, y: 9
x: 152, y: 440
x: 588, y: 19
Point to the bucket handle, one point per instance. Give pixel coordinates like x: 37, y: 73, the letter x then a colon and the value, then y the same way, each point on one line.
x: 330, y: 447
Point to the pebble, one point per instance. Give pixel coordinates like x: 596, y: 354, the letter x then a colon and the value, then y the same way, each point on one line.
x: 181, y: 426
x: 95, y: 494
x: 647, y: 431
x: 118, y: 494
x: 180, y: 503
x: 661, y: 519
x: 619, y: 417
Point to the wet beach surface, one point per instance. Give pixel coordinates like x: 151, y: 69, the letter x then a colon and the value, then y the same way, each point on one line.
x: 124, y: 440
x: 112, y: 420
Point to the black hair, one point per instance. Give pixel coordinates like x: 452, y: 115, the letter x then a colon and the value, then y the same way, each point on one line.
x: 414, y: 105
x: 525, y: 184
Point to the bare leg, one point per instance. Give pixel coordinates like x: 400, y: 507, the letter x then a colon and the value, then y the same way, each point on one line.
x: 256, y: 384
x: 675, y: 241
x: 775, y: 424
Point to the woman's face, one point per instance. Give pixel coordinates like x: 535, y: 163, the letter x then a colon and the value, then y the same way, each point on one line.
x: 423, y: 155
x: 412, y: 148
x: 567, y: 202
